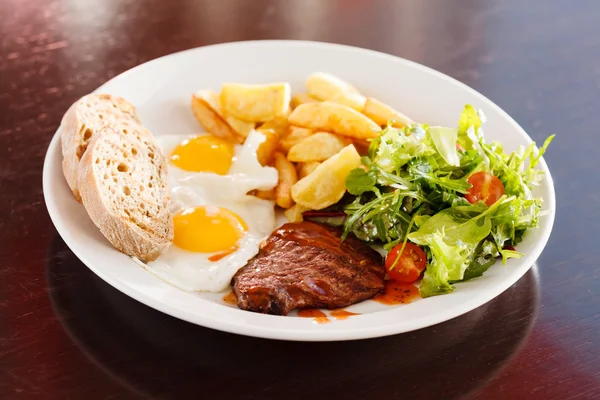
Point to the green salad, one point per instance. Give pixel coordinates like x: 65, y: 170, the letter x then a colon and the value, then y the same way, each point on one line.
x: 443, y: 200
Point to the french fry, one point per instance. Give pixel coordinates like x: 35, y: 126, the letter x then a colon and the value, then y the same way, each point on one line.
x: 279, y: 125
x: 242, y: 128
x: 306, y: 168
x: 317, y: 147
x: 265, y: 194
x: 266, y: 150
x: 287, y: 178
x: 327, y: 183
x: 295, y: 136
x: 362, y: 146
x: 212, y: 99
x: 256, y: 103
x: 355, y: 101
x: 294, y: 214
x: 323, y: 86
x: 381, y: 113
x: 336, y: 118
x: 302, y: 98
x: 214, y: 124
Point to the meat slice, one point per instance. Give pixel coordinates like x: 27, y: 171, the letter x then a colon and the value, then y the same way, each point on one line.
x: 306, y: 265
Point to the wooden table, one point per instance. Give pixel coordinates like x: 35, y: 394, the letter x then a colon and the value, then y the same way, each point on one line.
x: 64, y: 333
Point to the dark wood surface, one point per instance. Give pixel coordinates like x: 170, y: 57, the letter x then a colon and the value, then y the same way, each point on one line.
x: 64, y: 333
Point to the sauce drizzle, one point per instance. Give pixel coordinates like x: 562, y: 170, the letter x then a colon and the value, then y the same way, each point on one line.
x: 230, y: 298
x: 318, y: 316
x: 219, y: 256
x: 342, y: 314
x: 397, y: 293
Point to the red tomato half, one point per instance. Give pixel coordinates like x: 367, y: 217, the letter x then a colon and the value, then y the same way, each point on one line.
x: 485, y: 187
x: 410, y: 265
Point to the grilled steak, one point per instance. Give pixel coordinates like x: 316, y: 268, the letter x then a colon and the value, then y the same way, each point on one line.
x: 306, y: 265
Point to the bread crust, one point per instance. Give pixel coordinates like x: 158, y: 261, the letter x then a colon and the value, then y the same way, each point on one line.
x: 145, y: 243
x: 81, y: 122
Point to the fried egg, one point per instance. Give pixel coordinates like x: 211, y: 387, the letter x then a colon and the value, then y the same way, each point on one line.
x: 218, y: 226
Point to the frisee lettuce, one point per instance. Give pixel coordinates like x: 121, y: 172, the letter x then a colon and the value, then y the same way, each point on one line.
x: 412, y: 188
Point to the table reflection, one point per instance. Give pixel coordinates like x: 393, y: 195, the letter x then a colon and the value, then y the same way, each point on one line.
x: 154, y: 354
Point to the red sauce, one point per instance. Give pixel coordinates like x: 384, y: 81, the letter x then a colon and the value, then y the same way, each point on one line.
x: 397, y: 293
x: 219, y: 256
x: 319, y: 316
x: 230, y: 298
x: 342, y: 314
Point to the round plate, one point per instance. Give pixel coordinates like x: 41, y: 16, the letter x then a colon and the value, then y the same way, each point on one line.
x: 161, y: 91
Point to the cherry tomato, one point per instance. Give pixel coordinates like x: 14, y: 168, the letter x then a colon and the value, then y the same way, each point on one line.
x: 410, y: 265
x: 485, y: 187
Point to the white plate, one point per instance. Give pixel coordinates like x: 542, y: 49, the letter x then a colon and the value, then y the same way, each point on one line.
x: 161, y: 91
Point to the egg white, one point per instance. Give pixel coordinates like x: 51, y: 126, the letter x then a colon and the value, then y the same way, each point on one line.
x: 192, y: 271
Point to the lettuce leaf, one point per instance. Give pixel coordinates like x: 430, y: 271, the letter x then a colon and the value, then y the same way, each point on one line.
x: 412, y: 187
x: 427, y: 169
x: 468, y: 224
x: 360, y: 181
x: 484, y: 256
x: 445, y: 140
x: 469, y: 118
x: 469, y: 237
x: 396, y: 147
x: 469, y: 124
x: 448, y: 263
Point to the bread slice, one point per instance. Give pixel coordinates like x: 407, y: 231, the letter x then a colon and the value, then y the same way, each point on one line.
x: 123, y: 185
x: 83, y: 120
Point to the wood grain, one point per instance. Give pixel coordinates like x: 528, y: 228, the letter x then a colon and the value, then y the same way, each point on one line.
x: 64, y: 333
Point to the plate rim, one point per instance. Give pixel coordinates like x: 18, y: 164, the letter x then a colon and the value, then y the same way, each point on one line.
x: 294, y: 334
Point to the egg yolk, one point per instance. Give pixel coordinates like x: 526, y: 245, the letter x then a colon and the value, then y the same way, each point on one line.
x: 203, y: 154
x: 208, y: 229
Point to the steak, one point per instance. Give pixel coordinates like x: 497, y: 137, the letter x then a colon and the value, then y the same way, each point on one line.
x: 306, y: 265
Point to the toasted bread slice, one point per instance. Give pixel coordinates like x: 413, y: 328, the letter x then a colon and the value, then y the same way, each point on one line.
x: 123, y: 184
x: 83, y: 120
